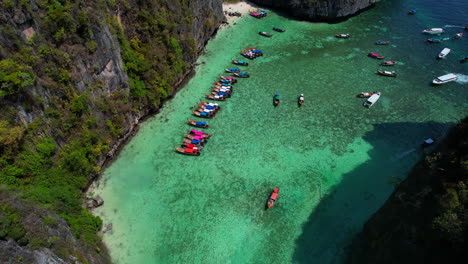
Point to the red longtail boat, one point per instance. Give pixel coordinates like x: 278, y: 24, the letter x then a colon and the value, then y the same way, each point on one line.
x: 273, y: 197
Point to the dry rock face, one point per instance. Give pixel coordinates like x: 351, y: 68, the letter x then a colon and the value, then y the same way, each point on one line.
x: 319, y: 10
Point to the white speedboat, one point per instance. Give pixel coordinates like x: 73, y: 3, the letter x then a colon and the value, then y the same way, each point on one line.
x: 371, y: 101
x: 444, y: 53
x: 445, y: 78
x: 434, y: 31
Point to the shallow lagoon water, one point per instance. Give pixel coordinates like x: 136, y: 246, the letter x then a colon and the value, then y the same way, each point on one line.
x: 334, y: 161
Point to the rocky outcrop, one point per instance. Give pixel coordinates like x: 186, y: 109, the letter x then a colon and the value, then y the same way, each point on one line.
x: 426, y: 219
x: 40, y: 236
x: 319, y: 10
x: 76, y: 79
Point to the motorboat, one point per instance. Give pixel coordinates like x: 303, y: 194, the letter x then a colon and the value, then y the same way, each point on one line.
x: 445, y: 78
x: 389, y: 63
x: 300, y: 100
x: 382, y: 42
x: 428, y: 142
x: 371, y: 101
x: 465, y: 59
x: 458, y: 35
x: 273, y: 197
x: 342, y: 35
x: 443, y: 53
x: 434, y: 31
x: 412, y: 12
x: 387, y: 73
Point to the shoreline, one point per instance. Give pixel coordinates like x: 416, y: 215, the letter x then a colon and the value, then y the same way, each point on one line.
x: 242, y: 7
x: 148, y: 112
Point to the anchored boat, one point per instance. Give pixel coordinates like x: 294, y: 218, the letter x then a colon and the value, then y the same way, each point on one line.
x: 273, y: 197
x: 265, y: 34
x: 342, y: 35
x: 375, y: 55
x: 445, y: 78
x: 444, y: 53
x: 387, y: 73
x: 434, y: 31
x: 371, y: 101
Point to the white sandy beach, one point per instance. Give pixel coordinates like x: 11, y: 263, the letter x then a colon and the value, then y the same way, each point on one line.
x: 241, y: 7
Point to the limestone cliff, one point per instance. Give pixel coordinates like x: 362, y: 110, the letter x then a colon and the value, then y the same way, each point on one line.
x: 319, y: 10
x: 426, y: 219
x: 75, y: 79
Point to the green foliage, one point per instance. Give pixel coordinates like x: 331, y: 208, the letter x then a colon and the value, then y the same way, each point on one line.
x: 84, y: 225
x: 10, y: 226
x: 14, y: 77
x: 449, y: 226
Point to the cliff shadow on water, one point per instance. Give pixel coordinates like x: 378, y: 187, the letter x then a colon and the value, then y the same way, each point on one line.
x: 342, y: 212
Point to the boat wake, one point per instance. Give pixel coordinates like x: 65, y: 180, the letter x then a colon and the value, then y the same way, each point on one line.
x: 453, y: 26
x: 462, y: 79
x: 402, y: 155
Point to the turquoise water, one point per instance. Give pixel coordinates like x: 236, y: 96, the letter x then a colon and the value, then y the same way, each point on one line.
x: 334, y: 161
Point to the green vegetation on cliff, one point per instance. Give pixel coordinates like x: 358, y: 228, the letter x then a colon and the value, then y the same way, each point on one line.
x: 426, y: 218
x: 66, y: 97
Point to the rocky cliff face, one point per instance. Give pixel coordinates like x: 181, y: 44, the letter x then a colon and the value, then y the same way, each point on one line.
x: 319, y: 10
x: 426, y: 219
x: 75, y: 79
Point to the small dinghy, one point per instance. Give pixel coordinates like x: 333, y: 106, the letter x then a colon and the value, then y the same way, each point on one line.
x: 276, y: 99
x: 444, y: 53
x: 445, y: 78
x: 215, y: 97
x: 412, y: 12
x: 387, y: 73
x: 427, y: 142
x: 300, y: 100
x: 188, y: 151
x: 265, y: 34
x: 272, y: 199
x: 232, y: 70
x: 277, y: 29
x: 241, y: 75
x: 389, y: 63
x: 382, y: 42
x: 458, y: 35
x: 198, y: 124
x: 434, y: 40
x: 433, y: 31
x: 375, y: 55
x: 371, y: 101
x: 240, y: 62
x: 365, y: 95
x: 344, y: 36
